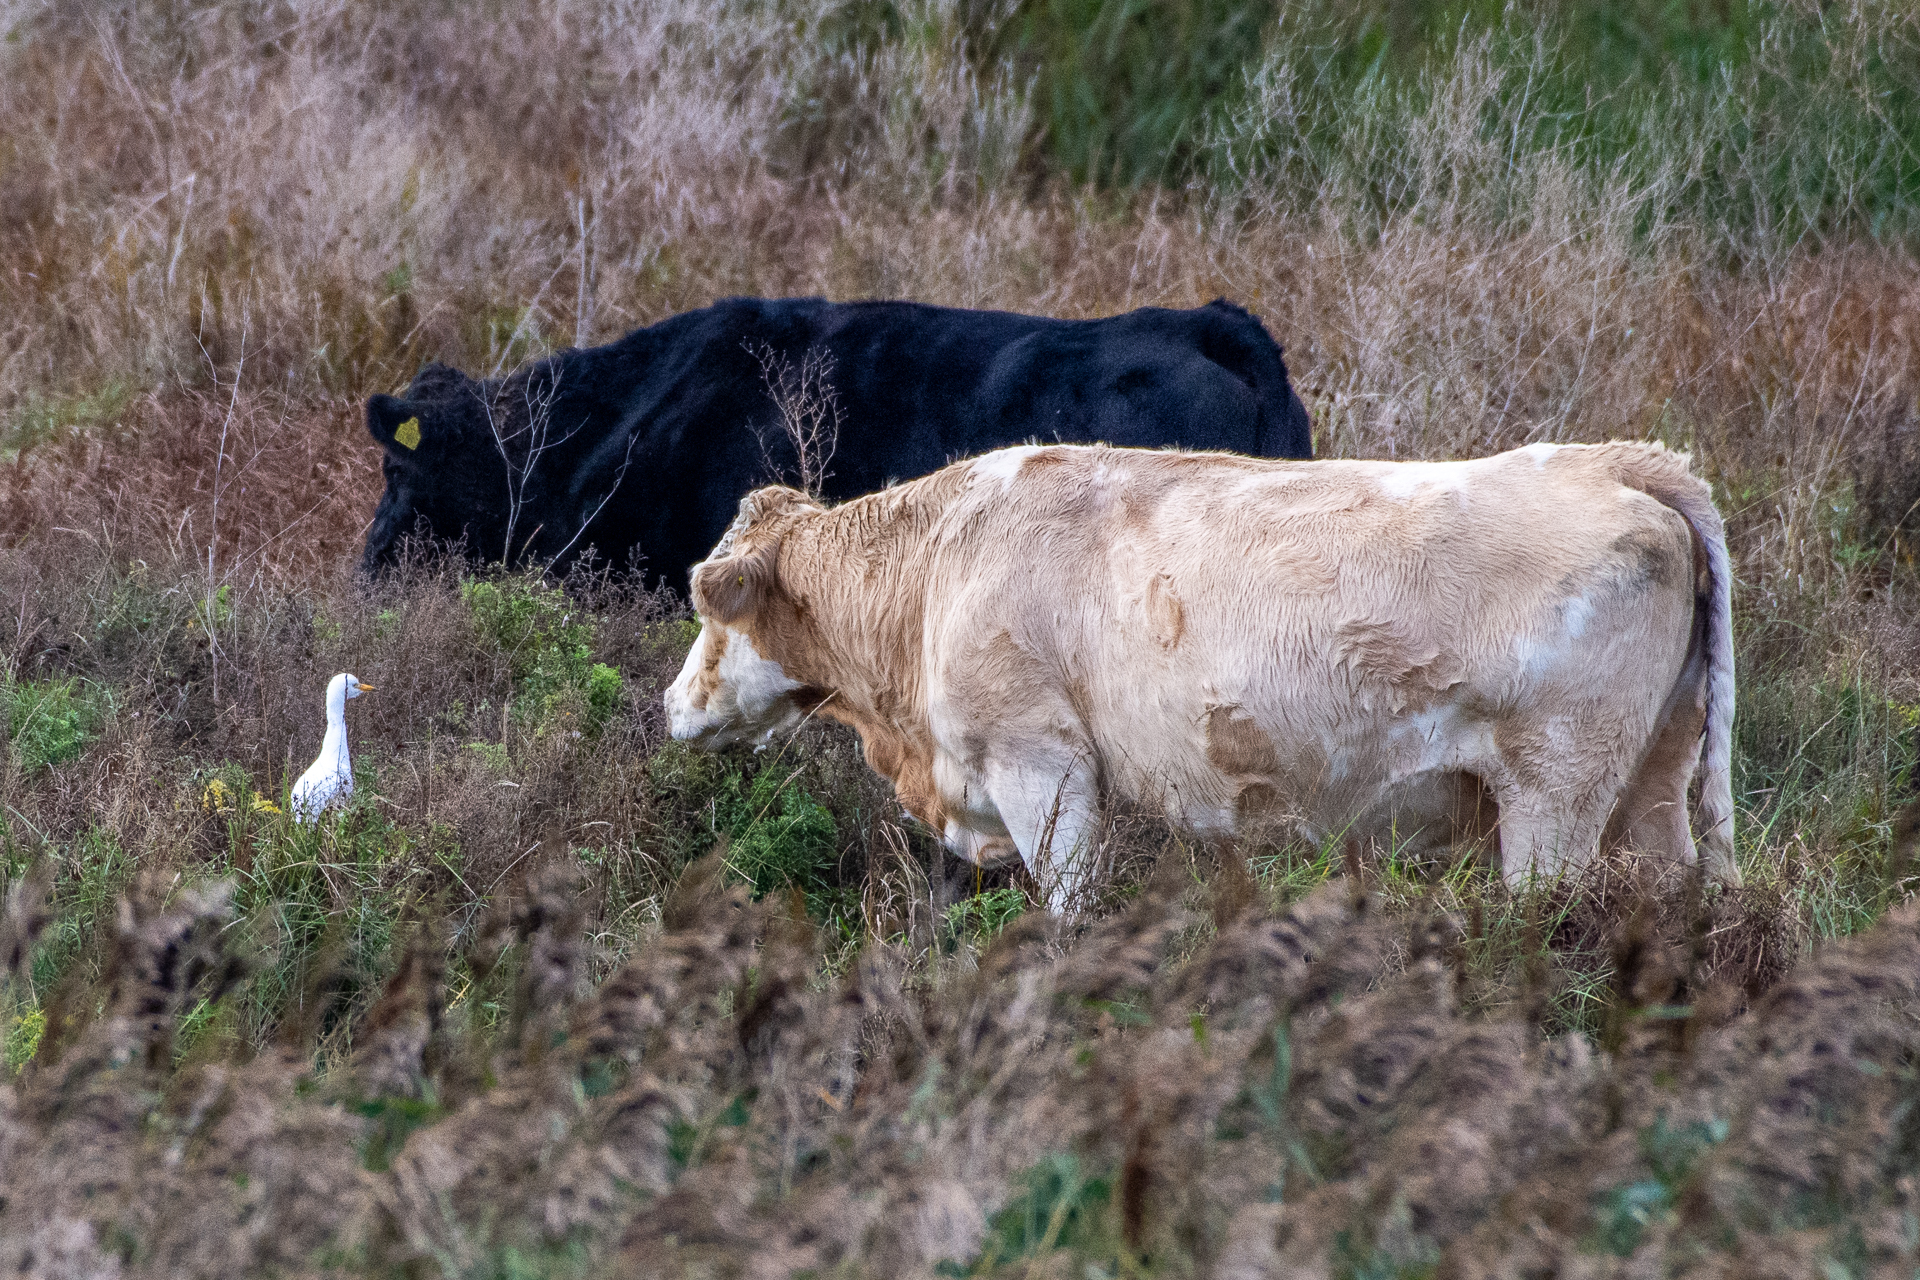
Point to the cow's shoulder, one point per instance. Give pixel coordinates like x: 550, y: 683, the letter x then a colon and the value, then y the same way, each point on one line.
x: 745, y: 317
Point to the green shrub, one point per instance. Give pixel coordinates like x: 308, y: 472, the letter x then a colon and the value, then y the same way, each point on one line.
x: 547, y: 641
x: 779, y: 836
x: 528, y: 621
x: 23, y: 1038
x: 604, y: 690
x: 51, y: 722
x: 980, y: 917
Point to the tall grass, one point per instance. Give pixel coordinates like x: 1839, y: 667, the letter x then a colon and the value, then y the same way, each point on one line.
x: 397, y: 183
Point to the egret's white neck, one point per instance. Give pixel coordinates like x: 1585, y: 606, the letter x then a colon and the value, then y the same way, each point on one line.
x: 334, y: 747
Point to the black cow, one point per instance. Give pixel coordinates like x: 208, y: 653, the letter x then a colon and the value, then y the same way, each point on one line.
x: 650, y: 441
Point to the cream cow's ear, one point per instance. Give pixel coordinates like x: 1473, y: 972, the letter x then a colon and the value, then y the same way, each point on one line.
x: 731, y: 586
x: 729, y: 590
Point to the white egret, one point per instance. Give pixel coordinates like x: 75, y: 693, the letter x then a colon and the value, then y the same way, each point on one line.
x: 330, y: 779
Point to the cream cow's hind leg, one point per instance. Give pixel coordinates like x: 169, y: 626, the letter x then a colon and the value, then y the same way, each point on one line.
x: 1557, y: 780
x: 1544, y: 832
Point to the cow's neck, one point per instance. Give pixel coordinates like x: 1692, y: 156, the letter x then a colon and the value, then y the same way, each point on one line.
x: 857, y: 579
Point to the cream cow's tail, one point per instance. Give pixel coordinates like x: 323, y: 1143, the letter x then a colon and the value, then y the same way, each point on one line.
x: 1664, y: 475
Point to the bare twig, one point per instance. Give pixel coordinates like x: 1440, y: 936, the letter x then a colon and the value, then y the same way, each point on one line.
x: 593, y: 515
x: 583, y: 304
x: 809, y: 408
x: 531, y: 442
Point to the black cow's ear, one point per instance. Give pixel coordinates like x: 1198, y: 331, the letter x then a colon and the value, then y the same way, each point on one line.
x: 395, y: 423
x: 734, y: 588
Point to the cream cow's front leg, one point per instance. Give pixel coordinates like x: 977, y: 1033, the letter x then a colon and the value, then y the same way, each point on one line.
x: 1049, y: 802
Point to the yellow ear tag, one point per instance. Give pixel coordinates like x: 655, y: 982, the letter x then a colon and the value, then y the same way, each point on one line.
x: 408, y: 433
x: 741, y: 580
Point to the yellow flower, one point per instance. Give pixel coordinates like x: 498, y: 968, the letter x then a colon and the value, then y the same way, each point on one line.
x: 217, y: 798
x: 263, y: 805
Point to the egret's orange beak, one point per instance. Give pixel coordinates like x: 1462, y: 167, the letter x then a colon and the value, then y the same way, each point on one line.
x: 364, y: 687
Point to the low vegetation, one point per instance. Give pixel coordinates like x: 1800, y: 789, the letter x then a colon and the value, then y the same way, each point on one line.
x: 556, y: 996
x: 1201, y: 1081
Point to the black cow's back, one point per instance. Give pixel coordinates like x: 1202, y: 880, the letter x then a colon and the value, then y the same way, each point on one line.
x: 650, y: 441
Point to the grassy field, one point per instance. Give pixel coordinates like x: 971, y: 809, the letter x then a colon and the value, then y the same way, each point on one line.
x: 554, y: 996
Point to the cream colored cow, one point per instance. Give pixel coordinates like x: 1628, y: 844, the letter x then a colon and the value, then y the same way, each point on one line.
x: 1368, y: 646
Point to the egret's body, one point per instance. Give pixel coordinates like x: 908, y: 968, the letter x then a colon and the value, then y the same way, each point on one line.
x: 329, y: 780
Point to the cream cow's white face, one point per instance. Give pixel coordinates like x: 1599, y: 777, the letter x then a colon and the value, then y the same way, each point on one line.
x: 727, y: 693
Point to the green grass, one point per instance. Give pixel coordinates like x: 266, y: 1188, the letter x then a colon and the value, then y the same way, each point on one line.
x: 1125, y: 90
x: 1739, y: 119
x: 50, y: 722
x: 1736, y: 120
x: 1748, y: 124
x: 1059, y: 1207
x: 40, y: 418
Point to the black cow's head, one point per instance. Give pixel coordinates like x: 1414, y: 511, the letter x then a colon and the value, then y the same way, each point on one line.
x: 445, y: 476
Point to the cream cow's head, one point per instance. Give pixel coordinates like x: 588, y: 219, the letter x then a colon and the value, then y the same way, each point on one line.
x: 732, y: 687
